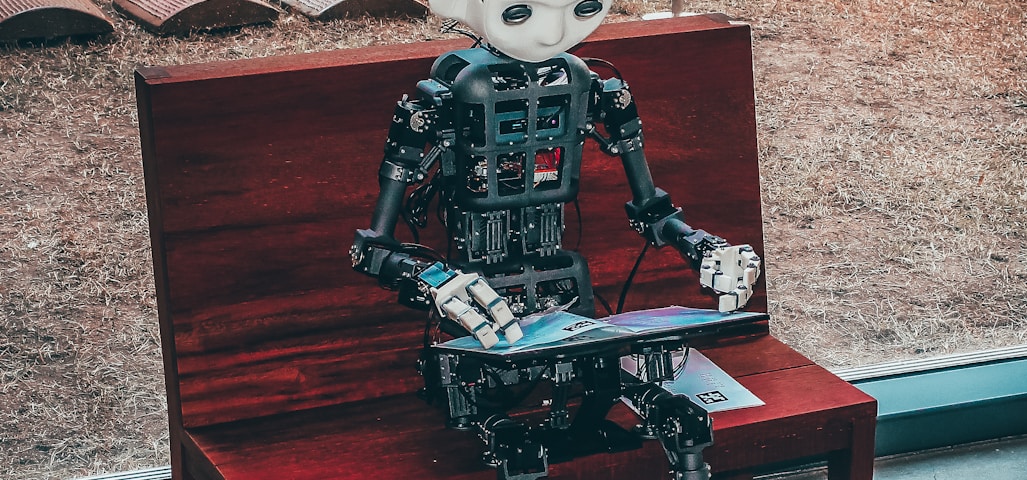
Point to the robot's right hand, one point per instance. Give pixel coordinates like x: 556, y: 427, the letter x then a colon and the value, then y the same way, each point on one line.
x: 467, y: 299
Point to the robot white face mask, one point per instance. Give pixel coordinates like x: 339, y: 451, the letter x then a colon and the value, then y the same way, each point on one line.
x: 527, y: 30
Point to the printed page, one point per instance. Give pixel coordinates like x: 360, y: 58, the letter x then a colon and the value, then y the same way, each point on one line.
x: 674, y: 317
x: 546, y: 329
x: 704, y: 383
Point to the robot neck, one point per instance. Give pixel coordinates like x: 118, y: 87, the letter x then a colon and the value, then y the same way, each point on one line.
x: 508, y: 59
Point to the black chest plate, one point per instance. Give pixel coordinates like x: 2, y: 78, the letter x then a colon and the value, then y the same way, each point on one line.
x: 519, y: 128
x: 518, y: 131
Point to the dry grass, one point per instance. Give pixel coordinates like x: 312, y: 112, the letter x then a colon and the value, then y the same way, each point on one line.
x: 894, y: 161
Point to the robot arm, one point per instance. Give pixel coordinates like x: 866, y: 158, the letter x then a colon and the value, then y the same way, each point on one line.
x: 729, y: 270
x: 463, y: 298
x: 375, y: 251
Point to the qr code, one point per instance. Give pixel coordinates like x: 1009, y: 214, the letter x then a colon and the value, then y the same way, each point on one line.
x: 709, y: 398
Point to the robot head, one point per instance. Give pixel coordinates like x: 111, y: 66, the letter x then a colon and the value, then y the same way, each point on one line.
x: 528, y: 30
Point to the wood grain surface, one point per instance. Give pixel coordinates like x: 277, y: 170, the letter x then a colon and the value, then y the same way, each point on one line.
x: 282, y: 362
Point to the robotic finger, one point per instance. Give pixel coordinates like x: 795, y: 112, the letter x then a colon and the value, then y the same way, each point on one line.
x: 471, y: 320
x: 731, y: 271
x: 497, y: 308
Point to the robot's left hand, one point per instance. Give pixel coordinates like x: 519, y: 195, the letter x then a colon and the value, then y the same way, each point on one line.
x: 731, y: 271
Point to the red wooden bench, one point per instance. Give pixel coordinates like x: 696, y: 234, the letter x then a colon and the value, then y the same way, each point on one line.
x: 283, y: 363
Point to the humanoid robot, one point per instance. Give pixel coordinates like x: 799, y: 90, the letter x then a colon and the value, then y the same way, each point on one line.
x: 496, y: 133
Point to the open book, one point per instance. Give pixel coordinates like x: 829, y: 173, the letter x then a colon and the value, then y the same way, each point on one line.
x: 560, y: 330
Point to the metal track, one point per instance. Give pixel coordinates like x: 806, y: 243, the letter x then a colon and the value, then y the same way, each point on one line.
x: 158, y: 473
x: 906, y: 367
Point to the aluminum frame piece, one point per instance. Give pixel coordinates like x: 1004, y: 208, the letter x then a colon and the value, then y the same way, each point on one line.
x: 47, y: 19
x: 176, y: 17
x: 333, y: 9
x: 949, y: 405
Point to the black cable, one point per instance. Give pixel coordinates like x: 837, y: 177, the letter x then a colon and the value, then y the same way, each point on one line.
x: 450, y: 27
x: 606, y: 305
x: 416, y: 206
x: 577, y: 210
x: 684, y: 361
x: 598, y: 61
x: 413, y: 228
x: 421, y: 251
x: 631, y: 278
x: 432, y: 315
x: 442, y: 214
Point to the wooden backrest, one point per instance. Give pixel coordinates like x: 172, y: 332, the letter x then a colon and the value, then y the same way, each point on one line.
x: 259, y: 171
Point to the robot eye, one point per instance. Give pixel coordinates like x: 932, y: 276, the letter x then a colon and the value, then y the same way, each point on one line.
x: 588, y: 8
x: 516, y: 14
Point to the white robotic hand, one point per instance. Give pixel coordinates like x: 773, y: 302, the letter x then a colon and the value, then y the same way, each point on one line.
x: 455, y: 294
x: 731, y: 271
